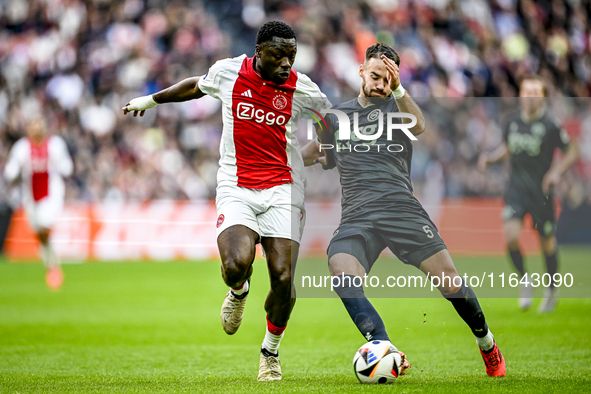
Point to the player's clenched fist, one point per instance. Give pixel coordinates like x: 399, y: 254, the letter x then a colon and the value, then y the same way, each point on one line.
x: 139, y: 104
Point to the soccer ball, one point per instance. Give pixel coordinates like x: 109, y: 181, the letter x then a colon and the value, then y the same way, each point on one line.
x: 377, y: 362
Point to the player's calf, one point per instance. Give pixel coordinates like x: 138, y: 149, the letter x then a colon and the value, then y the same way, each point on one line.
x: 281, y: 299
x: 468, y: 307
x: 466, y: 304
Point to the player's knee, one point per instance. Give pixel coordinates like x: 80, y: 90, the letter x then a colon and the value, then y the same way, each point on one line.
x: 449, y: 284
x: 549, y: 250
x: 513, y: 243
x: 348, y: 286
x: 449, y: 290
x: 43, y: 235
x: 234, y: 271
x: 549, y: 245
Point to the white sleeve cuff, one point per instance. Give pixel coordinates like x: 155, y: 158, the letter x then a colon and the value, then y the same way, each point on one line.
x: 399, y: 92
x: 141, y: 103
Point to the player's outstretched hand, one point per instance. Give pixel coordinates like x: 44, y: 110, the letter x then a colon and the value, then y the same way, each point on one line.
x: 482, y: 162
x: 139, y: 105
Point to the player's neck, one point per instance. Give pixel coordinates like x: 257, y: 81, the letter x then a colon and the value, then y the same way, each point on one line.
x: 36, y: 140
x: 364, y: 101
x: 528, y: 117
x: 257, y: 69
x: 254, y: 65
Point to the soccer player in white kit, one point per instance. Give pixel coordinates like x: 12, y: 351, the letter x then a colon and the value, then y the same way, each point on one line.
x: 40, y: 162
x: 260, y: 191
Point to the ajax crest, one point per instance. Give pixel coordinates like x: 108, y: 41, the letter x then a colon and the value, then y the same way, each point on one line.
x: 220, y: 220
x: 279, y: 102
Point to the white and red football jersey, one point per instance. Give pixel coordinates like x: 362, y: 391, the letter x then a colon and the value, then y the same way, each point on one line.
x: 258, y: 149
x: 41, y: 167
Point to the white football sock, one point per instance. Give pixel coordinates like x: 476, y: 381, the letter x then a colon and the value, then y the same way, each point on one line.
x: 243, y: 290
x: 48, y: 256
x: 487, y: 342
x: 272, y: 341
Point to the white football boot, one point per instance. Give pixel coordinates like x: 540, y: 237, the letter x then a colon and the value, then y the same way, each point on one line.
x: 525, y: 299
x: 232, y: 311
x: 549, y: 302
x: 269, y: 367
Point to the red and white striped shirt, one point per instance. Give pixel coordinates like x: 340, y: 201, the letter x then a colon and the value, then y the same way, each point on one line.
x: 41, y: 167
x: 258, y: 149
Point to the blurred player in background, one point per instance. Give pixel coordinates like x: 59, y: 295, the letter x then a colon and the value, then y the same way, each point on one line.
x: 40, y: 162
x: 379, y: 208
x: 260, y: 191
x: 530, y: 137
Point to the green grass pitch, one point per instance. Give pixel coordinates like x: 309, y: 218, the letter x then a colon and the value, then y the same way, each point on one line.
x: 154, y: 327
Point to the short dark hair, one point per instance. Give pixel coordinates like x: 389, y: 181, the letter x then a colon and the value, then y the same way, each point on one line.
x: 535, y: 77
x: 377, y: 50
x: 274, y: 29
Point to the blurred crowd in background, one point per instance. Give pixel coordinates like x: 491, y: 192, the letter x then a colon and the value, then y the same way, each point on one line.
x: 78, y: 62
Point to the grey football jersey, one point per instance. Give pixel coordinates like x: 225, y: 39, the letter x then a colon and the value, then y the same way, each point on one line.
x: 532, y: 147
x: 375, y: 172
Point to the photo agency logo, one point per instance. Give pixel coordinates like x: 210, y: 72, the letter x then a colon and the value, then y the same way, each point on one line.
x: 365, y: 136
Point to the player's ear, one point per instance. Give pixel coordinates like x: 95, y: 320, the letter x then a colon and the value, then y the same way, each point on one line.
x: 258, y: 51
x: 361, y: 70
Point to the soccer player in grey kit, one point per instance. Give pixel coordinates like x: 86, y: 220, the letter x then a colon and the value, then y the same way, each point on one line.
x: 530, y: 137
x: 379, y: 208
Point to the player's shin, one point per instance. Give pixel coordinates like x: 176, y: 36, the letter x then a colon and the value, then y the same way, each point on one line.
x: 362, y: 312
x: 517, y: 259
x: 467, y: 306
x: 552, y: 265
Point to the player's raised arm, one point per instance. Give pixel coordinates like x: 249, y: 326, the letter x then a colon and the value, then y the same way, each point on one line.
x: 403, y: 99
x: 185, y: 90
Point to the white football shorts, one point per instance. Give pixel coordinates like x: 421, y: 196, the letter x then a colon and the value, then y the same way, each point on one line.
x: 44, y: 213
x: 277, y: 212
